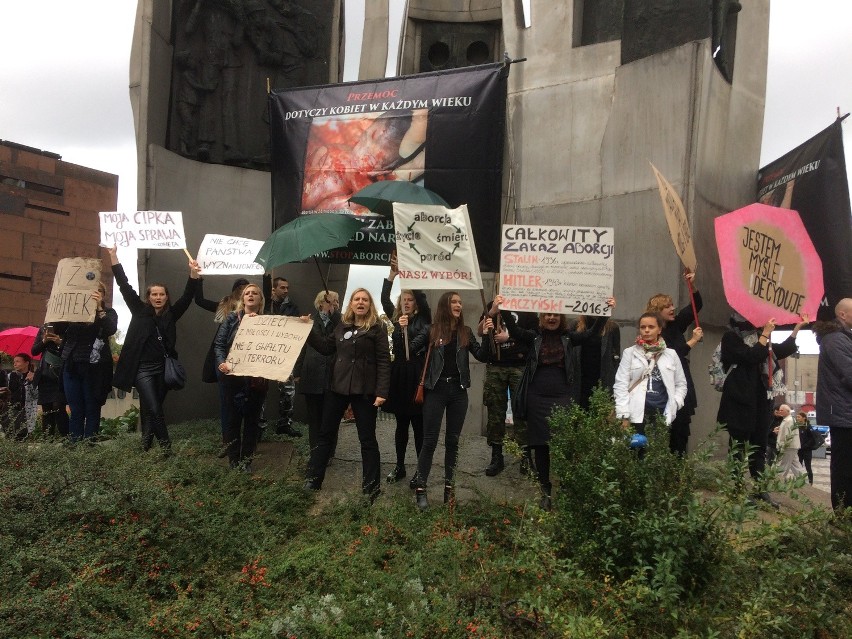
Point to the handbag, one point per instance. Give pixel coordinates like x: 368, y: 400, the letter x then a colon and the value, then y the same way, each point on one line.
x: 174, y: 373
x: 51, y: 366
x: 419, y: 394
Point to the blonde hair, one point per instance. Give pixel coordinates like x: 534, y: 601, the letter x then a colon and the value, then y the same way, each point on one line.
x: 372, y: 317
x: 397, y: 311
x: 321, y: 297
x: 658, y: 302
x: 241, y: 306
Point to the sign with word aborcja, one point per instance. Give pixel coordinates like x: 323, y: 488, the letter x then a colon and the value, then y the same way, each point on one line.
x: 267, y: 346
x: 557, y: 269
x: 226, y: 255
x: 143, y: 229
x: 434, y: 246
x: 71, y: 296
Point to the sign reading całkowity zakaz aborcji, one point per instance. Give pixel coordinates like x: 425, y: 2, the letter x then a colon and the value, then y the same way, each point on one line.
x: 557, y: 269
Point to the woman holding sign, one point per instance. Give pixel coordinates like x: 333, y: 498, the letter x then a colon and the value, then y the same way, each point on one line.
x: 244, y: 396
x: 675, y: 326
x: 446, y: 380
x: 87, y: 367
x: 360, y: 377
x: 151, y: 335
x: 548, y: 380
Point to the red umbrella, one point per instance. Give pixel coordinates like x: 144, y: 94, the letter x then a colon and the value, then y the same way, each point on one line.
x: 769, y: 265
x: 18, y: 340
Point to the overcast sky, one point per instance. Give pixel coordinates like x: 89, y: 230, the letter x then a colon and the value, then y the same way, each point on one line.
x: 64, y: 78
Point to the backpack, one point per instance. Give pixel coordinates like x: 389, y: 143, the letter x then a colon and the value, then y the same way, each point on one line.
x: 717, y: 371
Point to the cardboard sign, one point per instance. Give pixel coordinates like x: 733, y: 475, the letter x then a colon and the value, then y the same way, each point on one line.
x: 434, y: 247
x: 267, y: 346
x: 226, y: 255
x: 71, y: 296
x: 677, y: 221
x: 557, y: 269
x: 143, y: 229
x: 770, y: 268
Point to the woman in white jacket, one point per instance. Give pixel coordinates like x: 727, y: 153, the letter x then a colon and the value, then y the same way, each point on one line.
x: 650, y: 378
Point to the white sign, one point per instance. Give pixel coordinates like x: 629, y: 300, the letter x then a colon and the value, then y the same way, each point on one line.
x: 143, y: 229
x: 557, y: 269
x: 226, y: 255
x: 76, y: 279
x: 267, y: 346
x: 435, y: 248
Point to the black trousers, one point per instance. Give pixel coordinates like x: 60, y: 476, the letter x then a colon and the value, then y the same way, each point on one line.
x: 243, y: 405
x: 151, y: 385
x: 314, y: 406
x: 365, y: 422
x: 841, y: 467
x: 449, y: 398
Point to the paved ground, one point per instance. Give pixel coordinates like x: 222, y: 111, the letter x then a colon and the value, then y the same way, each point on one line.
x: 343, y: 477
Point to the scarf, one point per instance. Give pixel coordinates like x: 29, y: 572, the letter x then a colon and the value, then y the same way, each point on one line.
x: 651, y: 347
x: 325, y: 318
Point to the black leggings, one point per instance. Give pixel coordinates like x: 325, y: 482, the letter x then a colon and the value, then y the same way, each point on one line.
x: 541, y: 454
x: 151, y: 386
x: 54, y: 418
x: 400, y: 436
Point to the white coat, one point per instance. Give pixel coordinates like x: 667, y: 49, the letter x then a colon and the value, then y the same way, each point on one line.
x: 788, y: 435
x: 634, y: 365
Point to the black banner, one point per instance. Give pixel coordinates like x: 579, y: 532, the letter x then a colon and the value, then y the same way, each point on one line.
x: 811, y: 179
x: 442, y: 130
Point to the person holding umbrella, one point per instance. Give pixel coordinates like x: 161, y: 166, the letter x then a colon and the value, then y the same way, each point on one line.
x: 360, y: 377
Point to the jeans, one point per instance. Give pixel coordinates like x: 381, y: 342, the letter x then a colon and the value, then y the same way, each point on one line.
x: 151, y: 386
x: 243, y: 406
x: 365, y: 422
x: 449, y: 397
x: 82, y: 389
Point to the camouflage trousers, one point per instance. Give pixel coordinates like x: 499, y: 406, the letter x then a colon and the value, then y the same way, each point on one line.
x: 286, y: 396
x: 499, y: 381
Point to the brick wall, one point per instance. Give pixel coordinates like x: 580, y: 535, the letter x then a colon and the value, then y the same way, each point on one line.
x: 48, y: 211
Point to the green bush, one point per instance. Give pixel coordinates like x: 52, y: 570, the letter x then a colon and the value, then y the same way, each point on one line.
x: 108, y: 541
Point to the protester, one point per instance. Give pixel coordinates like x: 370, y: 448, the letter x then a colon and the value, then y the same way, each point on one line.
x: 596, y: 359
x: 411, y: 317
x: 48, y: 380
x: 360, y: 376
x: 746, y: 404
x: 209, y: 373
x: 446, y: 382
x: 807, y: 441
x: 547, y: 382
x: 834, y: 397
x: 87, y: 368
x: 18, y: 380
x: 502, y: 375
x: 650, y: 381
x: 151, y: 334
x: 277, y: 295
x: 311, y: 371
x: 244, y: 396
x: 673, y: 330
x: 788, y: 444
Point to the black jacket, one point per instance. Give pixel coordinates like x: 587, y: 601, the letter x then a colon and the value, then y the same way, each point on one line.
x: 313, y: 369
x: 675, y: 340
x: 143, y: 325
x: 361, y: 363
x: 436, y: 360
x: 834, y: 376
x: 271, y: 307
x: 418, y: 325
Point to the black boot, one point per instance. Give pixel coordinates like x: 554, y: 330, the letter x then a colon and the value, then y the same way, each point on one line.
x: 496, y: 465
x: 449, y: 494
x: 420, y: 499
x: 396, y: 474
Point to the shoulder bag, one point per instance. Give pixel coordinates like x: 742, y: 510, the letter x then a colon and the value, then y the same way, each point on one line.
x: 174, y: 372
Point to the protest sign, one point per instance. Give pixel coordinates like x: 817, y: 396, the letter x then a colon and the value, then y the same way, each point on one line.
x: 677, y: 221
x: 71, y: 296
x: 267, y: 346
x: 227, y: 255
x: 770, y: 268
x: 557, y: 269
x: 435, y: 248
x: 143, y: 229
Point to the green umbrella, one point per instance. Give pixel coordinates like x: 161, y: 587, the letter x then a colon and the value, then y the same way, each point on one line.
x: 306, y: 236
x: 380, y: 196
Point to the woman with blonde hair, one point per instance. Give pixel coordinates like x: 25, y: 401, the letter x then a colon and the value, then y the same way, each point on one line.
x: 411, y: 318
x: 674, y: 327
x: 312, y: 367
x: 360, y: 377
x: 244, y: 396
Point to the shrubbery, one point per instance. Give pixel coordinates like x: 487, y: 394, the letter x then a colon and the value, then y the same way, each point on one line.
x: 106, y: 541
